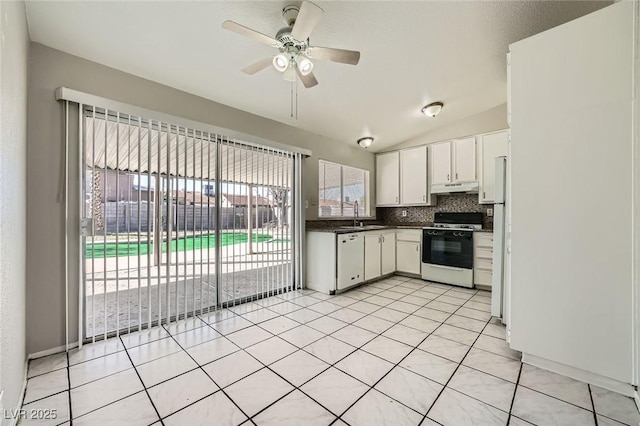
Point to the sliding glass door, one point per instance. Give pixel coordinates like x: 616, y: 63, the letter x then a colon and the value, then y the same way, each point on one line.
x: 178, y: 221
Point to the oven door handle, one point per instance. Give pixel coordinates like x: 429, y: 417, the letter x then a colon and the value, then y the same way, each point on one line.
x: 446, y: 267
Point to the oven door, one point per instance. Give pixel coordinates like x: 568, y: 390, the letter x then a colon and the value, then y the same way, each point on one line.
x: 448, y: 248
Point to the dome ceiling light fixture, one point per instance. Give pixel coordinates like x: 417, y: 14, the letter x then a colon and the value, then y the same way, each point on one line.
x: 365, y: 142
x: 432, y: 109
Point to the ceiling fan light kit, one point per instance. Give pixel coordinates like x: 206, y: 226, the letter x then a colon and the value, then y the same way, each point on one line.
x: 365, y: 142
x: 304, y: 65
x: 280, y: 62
x: 292, y: 43
x: 432, y: 109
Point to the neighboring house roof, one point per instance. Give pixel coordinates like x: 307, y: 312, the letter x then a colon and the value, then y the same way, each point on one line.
x: 243, y: 200
x: 192, y: 197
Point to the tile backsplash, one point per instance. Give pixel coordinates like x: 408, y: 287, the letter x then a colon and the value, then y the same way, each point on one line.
x: 424, y: 215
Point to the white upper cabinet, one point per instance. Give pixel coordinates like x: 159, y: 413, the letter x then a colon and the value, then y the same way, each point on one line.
x: 401, y: 178
x: 388, y: 179
x: 413, y: 176
x: 492, y: 145
x: 465, y: 160
x: 441, y: 163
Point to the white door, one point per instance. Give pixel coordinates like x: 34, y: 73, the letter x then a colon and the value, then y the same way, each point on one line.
x: 413, y: 176
x: 408, y: 257
x: 388, y: 179
x: 493, y: 145
x: 441, y: 162
x: 371, y: 256
x: 388, y: 253
x: 465, y: 160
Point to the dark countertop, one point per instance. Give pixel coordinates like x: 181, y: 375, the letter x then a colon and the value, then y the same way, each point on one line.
x: 350, y: 229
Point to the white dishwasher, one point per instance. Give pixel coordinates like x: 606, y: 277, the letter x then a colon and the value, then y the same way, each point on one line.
x: 350, y: 260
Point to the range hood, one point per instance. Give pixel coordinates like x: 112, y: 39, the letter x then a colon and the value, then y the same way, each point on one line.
x: 446, y: 188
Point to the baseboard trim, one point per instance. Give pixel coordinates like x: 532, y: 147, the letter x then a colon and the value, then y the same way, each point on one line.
x: 15, y: 420
x: 407, y: 274
x: 613, y: 385
x: 52, y: 351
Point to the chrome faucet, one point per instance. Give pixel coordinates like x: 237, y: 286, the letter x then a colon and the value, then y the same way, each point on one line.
x: 355, y: 213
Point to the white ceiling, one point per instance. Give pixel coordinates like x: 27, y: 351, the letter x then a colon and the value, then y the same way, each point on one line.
x: 412, y: 53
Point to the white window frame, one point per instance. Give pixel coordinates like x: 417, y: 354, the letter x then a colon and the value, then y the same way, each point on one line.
x: 367, y: 192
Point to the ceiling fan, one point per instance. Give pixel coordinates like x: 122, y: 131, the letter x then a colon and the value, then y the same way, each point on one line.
x: 292, y: 42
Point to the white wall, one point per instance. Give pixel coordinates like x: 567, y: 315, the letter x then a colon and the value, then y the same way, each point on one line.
x: 572, y: 195
x: 484, y: 122
x: 13, y: 161
x: 45, y: 235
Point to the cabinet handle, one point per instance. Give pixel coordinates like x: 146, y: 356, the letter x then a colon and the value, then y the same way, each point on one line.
x: 417, y: 248
x: 448, y: 178
x: 396, y: 199
x: 424, y: 198
x: 456, y: 176
x: 484, y: 194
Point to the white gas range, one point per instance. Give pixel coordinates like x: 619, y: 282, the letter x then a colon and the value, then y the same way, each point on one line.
x: 447, y: 248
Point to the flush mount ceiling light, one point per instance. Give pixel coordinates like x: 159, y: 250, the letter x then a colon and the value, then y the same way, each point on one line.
x: 432, y: 109
x: 365, y: 142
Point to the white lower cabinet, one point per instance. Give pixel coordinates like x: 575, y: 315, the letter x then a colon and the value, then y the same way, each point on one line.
x: 482, y: 258
x: 372, y: 259
x: 408, y: 251
x: 339, y: 261
x: 388, y: 253
x: 379, y: 254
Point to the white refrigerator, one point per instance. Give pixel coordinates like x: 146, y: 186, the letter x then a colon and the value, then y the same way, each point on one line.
x: 500, y: 283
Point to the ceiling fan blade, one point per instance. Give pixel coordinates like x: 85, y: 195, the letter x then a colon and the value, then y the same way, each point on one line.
x: 258, y: 66
x: 343, y: 56
x: 249, y: 33
x: 306, y: 21
x: 308, y: 80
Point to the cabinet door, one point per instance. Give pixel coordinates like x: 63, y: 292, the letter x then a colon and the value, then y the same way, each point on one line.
x: 371, y: 256
x: 388, y: 253
x: 413, y: 176
x: 493, y: 145
x: 388, y: 179
x: 465, y: 160
x: 441, y: 162
x: 408, y: 257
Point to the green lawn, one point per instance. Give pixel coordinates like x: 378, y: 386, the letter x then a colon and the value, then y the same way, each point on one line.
x: 197, y: 242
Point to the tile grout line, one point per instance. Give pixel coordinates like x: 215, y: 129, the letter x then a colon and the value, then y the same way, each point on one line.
x: 359, y: 348
x: 453, y: 374
x: 515, y: 390
x: 330, y: 365
x: 141, y: 382
x: 69, y: 389
x: 235, y: 314
x: 397, y: 364
x: 210, y: 378
x: 593, y: 405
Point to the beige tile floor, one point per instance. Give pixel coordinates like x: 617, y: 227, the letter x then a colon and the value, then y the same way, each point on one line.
x: 396, y: 352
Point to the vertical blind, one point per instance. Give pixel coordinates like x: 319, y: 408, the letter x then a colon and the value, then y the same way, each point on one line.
x: 179, y: 221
